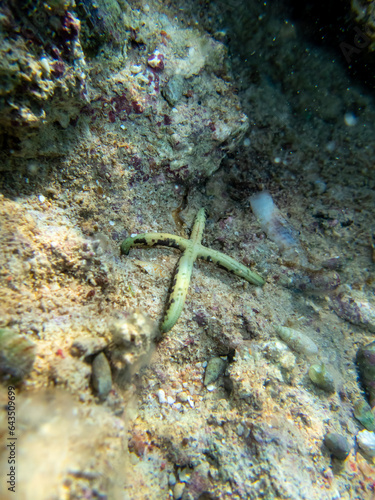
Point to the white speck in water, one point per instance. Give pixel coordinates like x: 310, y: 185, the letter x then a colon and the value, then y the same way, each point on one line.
x: 277, y: 159
x: 246, y: 142
x: 42, y: 199
x: 133, y: 235
x: 111, y: 223
x: 350, y: 119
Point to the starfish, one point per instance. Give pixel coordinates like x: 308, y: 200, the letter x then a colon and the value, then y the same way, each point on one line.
x: 192, y: 249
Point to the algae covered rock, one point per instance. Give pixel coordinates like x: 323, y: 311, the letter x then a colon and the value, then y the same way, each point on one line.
x: 17, y: 354
x: 363, y: 413
x: 215, y: 368
x: 337, y: 445
x: 365, y: 361
x: 321, y: 377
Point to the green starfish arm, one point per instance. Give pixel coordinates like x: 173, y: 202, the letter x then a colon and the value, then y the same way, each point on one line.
x: 179, y: 289
x: 198, y: 227
x: 152, y: 240
x: 229, y: 264
x: 192, y: 249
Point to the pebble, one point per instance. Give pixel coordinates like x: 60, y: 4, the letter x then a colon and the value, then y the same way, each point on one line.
x: 321, y: 377
x: 183, y: 397
x: 178, y: 490
x: 320, y: 186
x: 215, y: 368
x: 101, y: 376
x: 337, y: 445
x: 350, y: 119
x: 366, y: 441
x: 172, y: 91
x: 161, y: 396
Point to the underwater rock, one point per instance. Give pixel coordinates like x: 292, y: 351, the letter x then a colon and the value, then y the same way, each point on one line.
x: 17, y: 354
x: 43, y: 75
x: 101, y: 377
x: 355, y: 308
x: 297, y: 341
x: 215, y: 368
x: 172, y: 91
x: 365, y: 361
x: 132, y: 344
x: 366, y: 441
x: 363, y: 14
x: 362, y: 412
x: 322, y: 378
x: 337, y: 445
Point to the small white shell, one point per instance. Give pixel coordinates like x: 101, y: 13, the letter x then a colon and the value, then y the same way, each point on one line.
x: 297, y: 341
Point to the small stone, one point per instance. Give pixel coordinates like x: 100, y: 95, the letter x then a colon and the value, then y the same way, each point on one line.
x: 101, y: 377
x: 178, y: 490
x: 363, y: 413
x: 183, y: 397
x: 172, y: 92
x: 215, y: 368
x: 240, y: 430
x: 320, y: 377
x: 366, y: 441
x: 161, y: 396
x: 337, y: 445
x: 320, y: 186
